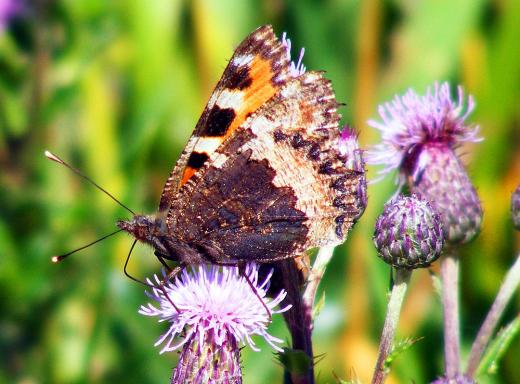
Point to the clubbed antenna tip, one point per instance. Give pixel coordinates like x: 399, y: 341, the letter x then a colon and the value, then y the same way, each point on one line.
x: 53, y: 157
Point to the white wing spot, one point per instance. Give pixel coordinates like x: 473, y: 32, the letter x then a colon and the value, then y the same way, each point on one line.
x: 231, y: 99
x: 242, y: 60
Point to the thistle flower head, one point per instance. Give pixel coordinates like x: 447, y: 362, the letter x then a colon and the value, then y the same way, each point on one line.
x: 459, y: 379
x: 408, y: 234
x: 412, y: 121
x: 215, y: 303
x: 8, y: 9
x: 297, y: 69
x: 348, y: 147
x: 217, y: 312
x: 419, y: 136
x: 515, y: 207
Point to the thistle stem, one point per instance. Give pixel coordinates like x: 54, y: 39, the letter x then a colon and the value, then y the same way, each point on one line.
x: 299, y: 322
x: 316, y: 274
x: 508, y: 288
x: 450, y: 304
x: 300, y: 318
x: 392, y: 318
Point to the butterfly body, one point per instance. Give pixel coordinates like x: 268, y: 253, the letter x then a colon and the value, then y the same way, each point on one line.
x: 261, y: 179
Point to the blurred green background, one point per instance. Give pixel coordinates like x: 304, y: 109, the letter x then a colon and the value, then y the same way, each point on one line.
x: 116, y: 88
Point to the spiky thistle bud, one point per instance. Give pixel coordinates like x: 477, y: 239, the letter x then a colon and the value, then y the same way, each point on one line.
x: 515, y: 207
x: 408, y: 234
x: 419, y: 136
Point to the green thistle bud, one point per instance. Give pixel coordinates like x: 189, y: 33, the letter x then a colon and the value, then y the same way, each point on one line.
x: 408, y: 234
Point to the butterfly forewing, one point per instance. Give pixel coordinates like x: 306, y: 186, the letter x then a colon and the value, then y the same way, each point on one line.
x: 259, y: 66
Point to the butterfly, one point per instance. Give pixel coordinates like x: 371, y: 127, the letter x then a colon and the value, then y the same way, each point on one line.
x: 261, y: 179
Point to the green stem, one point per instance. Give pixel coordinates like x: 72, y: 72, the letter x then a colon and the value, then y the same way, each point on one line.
x: 316, y: 274
x: 504, y: 295
x: 300, y: 318
x: 392, y: 318
x: 450, y: 304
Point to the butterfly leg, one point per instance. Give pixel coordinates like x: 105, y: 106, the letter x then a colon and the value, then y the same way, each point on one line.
x: 125, y: 270
x: 127, y: 274
x: 163, y: 262
x: 241, y: 265
x: 172, y: 272
x: 242, y: 272
x: 169, y: 276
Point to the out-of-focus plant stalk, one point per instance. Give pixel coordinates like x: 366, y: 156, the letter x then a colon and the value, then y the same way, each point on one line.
x: 391, y: 321
x: 450, y: 304
x: 316, y: 274
x: 508, y: 288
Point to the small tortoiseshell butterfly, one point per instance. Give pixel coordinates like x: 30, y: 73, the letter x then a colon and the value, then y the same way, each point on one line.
x: 262, y: 178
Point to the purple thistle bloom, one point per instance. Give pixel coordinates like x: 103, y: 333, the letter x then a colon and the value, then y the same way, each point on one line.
x: 460, y: 379
x: 8, y: 9
x: 419, y: 136
x: 515, y: 207
x: 297, y: 69
x: 219, y: 312
x: 411, y: 121
x: 348, y: 147
x: 214, y: 301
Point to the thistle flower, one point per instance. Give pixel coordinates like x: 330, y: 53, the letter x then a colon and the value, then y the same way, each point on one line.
x: 218, y: 312
x: 8, y: 9
x: 297, y: 69
x: 419, y: 136
x: 408, y: 234
x: 460, y: 379
x: 515, y: 207
x: 348, y: 147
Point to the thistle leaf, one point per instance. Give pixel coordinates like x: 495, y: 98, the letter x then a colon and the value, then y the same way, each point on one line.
x: 353, y: 380
x: 294, y: 361
x: 437, y: 284
x: 497, y: 348
x: 399, y: 348
x: 318, y: 306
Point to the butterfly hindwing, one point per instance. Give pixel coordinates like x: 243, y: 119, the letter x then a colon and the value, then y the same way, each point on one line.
x: 298, y: 131
x: 276, y: 187
x: 235, y: 212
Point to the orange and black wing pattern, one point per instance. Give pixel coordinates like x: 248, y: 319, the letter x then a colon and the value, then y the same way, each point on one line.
x: 256, y: 72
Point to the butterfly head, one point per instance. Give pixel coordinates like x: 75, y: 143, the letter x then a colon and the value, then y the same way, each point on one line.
x: 144, y: 228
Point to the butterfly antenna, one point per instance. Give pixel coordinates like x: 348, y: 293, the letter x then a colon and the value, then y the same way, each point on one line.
x: 57, y: 259
x: 55, y: 158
